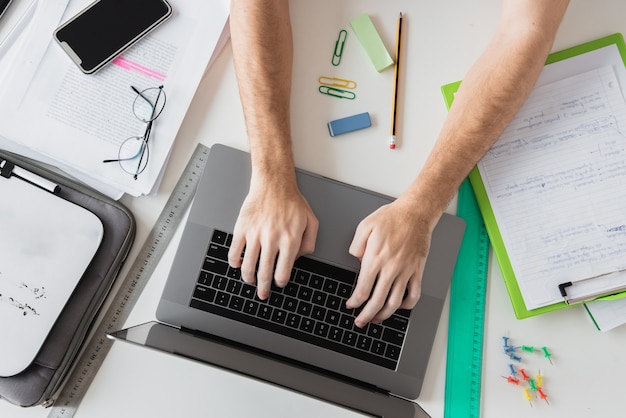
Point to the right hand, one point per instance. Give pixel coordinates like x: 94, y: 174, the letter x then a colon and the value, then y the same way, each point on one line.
x: 275, y: 226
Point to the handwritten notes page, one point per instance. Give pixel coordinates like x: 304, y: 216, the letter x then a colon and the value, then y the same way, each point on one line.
x: 555, y: 181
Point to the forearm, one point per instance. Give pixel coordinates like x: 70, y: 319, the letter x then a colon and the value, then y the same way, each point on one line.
x: 275, y: 223
x: 489, y: 97
x: 263, y: 54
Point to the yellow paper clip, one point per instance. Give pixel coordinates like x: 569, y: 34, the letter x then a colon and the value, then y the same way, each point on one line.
x: 335, y: 92
x: 337, y: 82
x: 338, y: 52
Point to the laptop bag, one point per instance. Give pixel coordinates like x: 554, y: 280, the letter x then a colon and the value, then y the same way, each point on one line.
x: 45, y: 375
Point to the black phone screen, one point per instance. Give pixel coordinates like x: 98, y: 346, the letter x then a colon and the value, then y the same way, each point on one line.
x: 4, y: 5
x: 107, y: 27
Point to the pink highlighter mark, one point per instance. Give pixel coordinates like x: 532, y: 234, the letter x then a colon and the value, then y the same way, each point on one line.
x: 133, y: 66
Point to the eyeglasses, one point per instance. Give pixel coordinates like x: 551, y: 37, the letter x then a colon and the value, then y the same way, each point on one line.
x: 133, y: 153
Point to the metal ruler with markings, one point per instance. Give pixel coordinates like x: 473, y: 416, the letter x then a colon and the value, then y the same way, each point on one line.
x: 467, y: 313
x: 96, y: 349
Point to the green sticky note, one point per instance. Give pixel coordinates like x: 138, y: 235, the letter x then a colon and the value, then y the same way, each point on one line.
x: 367, y: 35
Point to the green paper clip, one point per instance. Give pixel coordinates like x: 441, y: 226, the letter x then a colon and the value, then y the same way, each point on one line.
x: 334, y: 92
x: 338, y: 52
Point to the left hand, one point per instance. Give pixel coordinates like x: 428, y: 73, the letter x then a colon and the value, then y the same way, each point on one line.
x: 392, y: 244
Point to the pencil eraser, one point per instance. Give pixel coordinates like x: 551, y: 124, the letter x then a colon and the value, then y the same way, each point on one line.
x: 349, y: 124
x: 369, y: 38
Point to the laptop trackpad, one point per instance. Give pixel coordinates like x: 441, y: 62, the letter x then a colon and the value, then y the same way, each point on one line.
x: 339, y: 208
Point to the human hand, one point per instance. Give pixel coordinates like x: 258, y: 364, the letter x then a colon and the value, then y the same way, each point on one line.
x: 275, y: 226
x: 392, y: 244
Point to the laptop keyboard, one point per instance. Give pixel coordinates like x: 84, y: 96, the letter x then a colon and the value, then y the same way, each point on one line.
x: 310, y: 308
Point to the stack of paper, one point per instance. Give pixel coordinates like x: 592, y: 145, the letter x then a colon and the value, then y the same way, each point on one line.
x: 53, y: 112
x: 608, y: 313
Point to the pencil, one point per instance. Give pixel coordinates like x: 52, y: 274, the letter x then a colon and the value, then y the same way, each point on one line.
x: 396, y: 77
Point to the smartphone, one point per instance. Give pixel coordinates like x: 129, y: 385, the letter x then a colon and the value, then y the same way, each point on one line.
x: 105, y: 28
x: 4, y: 5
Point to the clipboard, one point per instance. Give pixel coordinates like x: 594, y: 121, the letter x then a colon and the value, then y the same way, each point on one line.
x: 577, y: 55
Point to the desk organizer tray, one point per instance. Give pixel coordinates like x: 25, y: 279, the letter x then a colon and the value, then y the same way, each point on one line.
x: 44, y: 376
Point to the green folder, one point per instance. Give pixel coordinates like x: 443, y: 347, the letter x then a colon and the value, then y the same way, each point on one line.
x: 495, y: 237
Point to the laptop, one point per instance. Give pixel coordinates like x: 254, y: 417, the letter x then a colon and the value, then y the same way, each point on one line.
x: 302, y: 337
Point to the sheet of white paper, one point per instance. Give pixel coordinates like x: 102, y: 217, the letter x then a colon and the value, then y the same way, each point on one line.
x: 555, y: 183
x: 608, y: 314
x: 78, y: 120
x: 14, y: 22
x: 46, y: 244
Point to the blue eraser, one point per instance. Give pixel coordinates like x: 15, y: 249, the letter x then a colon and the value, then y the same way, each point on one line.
x: 349, y: 124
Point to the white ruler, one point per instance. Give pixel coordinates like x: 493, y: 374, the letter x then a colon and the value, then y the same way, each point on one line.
x: 96, y: 349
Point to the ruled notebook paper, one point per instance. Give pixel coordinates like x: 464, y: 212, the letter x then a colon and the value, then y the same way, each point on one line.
x: 556, y: 183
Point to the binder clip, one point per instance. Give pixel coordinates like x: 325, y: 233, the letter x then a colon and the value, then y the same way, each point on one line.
x: 578, y: 297
x: 6, y: 168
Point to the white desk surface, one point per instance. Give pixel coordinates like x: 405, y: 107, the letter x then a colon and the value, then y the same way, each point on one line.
x: 442, y: 40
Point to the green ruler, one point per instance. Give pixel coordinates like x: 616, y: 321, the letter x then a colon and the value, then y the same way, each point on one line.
x: 467, y: 313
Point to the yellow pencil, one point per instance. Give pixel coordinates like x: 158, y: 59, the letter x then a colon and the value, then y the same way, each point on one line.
x: 396, y: 76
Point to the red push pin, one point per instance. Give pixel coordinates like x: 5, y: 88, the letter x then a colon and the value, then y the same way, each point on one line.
x: 543, y: 395
x: 524, y: 375
x: 511, y: 379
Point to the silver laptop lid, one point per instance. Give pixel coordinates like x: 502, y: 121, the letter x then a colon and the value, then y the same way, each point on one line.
x: 258, y: 365
x: 339, y: 208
